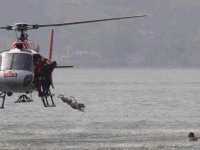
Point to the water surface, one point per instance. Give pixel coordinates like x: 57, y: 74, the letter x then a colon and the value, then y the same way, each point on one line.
x: 125, y: 109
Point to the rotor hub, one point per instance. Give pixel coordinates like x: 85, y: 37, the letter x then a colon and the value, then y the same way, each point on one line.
x: 20, y: 27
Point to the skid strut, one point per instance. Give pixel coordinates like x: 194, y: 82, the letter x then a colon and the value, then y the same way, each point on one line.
x: 47, y: 100
x: 3, y: 97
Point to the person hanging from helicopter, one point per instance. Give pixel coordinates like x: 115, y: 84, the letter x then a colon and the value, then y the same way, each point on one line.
x: 38, y: 65
x: 43, y: 74
x: 47, y: 80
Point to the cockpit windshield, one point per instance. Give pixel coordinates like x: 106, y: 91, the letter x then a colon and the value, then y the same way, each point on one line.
x: 16, y: 61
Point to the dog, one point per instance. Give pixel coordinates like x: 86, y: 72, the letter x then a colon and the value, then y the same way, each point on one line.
x: 72, y: 102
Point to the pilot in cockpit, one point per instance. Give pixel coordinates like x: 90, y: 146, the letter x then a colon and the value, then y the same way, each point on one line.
x: 18, y: 44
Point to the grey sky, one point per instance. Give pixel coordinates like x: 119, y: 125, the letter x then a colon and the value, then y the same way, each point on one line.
x: 168, y: 37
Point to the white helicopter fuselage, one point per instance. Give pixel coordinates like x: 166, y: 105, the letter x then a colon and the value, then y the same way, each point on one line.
x: 17, y: 71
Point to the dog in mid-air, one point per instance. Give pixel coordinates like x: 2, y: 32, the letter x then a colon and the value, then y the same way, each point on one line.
x: 71, y: 101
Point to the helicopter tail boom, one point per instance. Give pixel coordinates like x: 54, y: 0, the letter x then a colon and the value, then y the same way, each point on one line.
x: 51, y: 44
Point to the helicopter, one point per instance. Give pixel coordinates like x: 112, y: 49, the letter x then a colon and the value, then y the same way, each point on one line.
x: 17, y: 63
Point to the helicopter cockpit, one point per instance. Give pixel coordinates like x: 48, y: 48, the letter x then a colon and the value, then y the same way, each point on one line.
x: 16, y: 71
x: 16, y: 61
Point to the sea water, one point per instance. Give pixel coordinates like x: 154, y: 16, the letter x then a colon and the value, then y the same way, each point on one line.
x: 140, y: 109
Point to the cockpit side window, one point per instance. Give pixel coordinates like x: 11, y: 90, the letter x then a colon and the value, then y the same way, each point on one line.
x: 6, y: 61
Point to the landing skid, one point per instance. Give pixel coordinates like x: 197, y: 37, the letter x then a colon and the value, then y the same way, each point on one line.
x: 2, y: 96
x: 24, y: 99
x: 48, y: 100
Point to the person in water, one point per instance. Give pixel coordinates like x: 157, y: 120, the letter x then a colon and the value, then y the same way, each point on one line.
x: 192, y: 137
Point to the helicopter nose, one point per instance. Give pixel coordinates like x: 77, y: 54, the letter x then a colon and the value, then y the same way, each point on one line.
x: 27, y: 80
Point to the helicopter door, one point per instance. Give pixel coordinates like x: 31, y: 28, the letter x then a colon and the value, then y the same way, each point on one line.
x: 17, y: 61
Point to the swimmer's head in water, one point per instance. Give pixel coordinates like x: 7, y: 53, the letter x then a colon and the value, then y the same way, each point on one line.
x: 191, y: 135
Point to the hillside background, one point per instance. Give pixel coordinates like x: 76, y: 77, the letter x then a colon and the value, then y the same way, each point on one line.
x: 169, y: 37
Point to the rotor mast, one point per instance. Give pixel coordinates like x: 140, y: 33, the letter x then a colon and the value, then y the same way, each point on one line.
x: 23, y: 36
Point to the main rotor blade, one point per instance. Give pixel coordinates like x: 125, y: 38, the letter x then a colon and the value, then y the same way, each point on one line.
x: 88, y: 21
x: 6, y: 28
